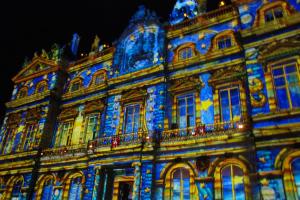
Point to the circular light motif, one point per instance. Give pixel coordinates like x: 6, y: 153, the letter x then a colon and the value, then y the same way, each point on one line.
x: 247, y: 18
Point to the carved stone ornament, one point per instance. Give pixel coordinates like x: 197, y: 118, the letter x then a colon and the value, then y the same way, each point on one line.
x: 185, y: 84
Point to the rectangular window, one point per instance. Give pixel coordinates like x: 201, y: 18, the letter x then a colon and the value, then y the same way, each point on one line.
x: 287, y: 85
x: 7, y: 141
x: 91, y: 126
x: 66, y: 133
x: 132, y: 118
x: 230, y: 104
x: 29, y: 137
x: 224, y: 42
x: 186, y: 111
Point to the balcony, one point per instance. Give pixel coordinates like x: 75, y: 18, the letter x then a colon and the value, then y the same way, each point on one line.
x: 205, y: 132
x: 64, y: 153
x: 122, y: 140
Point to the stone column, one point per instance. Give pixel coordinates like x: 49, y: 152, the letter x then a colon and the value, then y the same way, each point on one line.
x: 137, y: 180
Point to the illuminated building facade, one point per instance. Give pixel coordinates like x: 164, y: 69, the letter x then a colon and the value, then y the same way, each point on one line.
x: 206, y: 107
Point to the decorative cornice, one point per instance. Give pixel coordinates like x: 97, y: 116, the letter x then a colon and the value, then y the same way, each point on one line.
x: 29, y: 99
x: 137, y: 74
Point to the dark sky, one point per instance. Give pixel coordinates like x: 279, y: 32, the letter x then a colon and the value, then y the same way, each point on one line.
x: 29, y: 26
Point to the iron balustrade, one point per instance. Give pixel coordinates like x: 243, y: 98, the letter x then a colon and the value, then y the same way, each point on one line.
x: 65, y: 150
x: 202, y: 131
x: 117, y: 140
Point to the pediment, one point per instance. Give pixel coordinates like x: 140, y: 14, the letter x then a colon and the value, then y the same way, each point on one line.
x: 279, y: 47
x: 37, y: 67
x: 226, y: 74
x: 137, y: 94
x: 69, y: 113
x: 187, y: 83
x: 94, y: 106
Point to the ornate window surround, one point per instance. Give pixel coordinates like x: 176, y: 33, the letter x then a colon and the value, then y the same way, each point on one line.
x: 260, y: 16
x: 97, y: 73
x: 42, y: 83
x: 287, y: 49
x: 75, y: 81
x: 168, y: 177
x: 10, y: 185
x: 233, y: 76
x: 227, y: 33
x: 183, y: 46
x: 41, y: 183
x: 68, y: 180
x: 188, y: 85
x: 288, y: 177
x: 23, y: 89
x: 135, y: 96
x: 218, y: 177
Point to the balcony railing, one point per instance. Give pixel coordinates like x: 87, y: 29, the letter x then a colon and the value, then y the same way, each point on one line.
x: 203, y: 131
x: 117, y: 140
x: 65, y: 150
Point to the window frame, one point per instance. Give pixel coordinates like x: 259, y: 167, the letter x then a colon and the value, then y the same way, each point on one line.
x: 232, y: 179
x: 282, y: 64
x: 30, y: 139
x: 61, y: 133
x: 25, y: 94
x: 39, y: 85
x: 87, y: 120
x: 229, y: 89
x: 184, y: 95
x: 124, y: 125
x: 189, y: 45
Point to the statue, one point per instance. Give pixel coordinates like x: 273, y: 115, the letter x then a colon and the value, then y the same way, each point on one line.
x: 26, y: 62
x: 44, y: 54
x: 95, y: 44
x: 55, y: 52
x: 35, y: 55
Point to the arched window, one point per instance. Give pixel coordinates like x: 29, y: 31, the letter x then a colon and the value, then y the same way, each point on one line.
x: 41, y: 87
x: 180, y: 184
x: 233, y: 187
x: 23, y: 92
x: 47, y: 192
x: 75, y: 189
x: 296, y: 176
x: 224, y: 42
x: 75, y: 84
x: 185, y: 53
x: 274, y: 13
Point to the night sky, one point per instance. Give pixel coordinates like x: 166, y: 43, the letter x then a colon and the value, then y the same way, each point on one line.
x: 27, y: 27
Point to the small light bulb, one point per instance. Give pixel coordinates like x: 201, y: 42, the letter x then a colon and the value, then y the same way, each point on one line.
x: 185, y: 15
x: 241, y: 126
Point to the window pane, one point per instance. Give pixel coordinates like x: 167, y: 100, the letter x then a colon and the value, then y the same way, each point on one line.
x: 290, y: 69
x: 227, y: 183
x: 279, y: 81
x: 238, y: 183
x: 75, y: 189
x: 296, y: 174
x: 269, y: 16
x: 132, y: 120
x: 295, y: 95
x: 277, y: 72
x: 282, y: 98
x: 278, y: 12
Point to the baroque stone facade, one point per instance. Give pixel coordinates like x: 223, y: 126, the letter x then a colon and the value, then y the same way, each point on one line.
x: 205, y: 107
